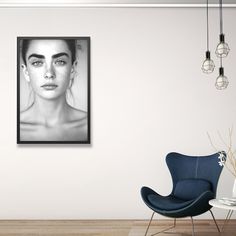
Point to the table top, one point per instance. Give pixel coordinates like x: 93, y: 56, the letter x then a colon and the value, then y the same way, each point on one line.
x: 218, y: 204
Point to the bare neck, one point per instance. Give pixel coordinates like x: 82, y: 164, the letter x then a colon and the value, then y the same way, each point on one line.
x: 51, y: 112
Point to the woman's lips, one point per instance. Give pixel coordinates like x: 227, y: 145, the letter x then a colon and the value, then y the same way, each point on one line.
x: 49, y: 86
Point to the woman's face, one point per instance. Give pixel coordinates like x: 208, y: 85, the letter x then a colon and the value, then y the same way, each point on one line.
x: 49, y: 68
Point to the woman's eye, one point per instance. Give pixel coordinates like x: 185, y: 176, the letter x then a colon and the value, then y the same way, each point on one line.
x: 37, y: 63
x: 60, y: 62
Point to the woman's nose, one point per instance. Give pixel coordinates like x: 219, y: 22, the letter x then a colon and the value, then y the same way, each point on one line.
x: 49, y: 73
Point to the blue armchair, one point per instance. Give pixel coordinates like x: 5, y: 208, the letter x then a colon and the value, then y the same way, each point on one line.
x: 195, y: 180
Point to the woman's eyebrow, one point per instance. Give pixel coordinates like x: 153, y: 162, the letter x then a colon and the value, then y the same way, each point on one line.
x: 36, y: 55
x: 60, y: 55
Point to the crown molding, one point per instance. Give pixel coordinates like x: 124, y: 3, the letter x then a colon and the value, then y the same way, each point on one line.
x: 113, y: 3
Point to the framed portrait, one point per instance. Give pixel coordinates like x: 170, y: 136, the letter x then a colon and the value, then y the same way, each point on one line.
x: 53, y: 90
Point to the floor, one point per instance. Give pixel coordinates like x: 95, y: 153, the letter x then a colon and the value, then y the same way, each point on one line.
x: 109, y: 228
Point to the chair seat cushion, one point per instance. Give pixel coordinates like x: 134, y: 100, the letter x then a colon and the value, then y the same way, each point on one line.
x: 188, y: 189
x: 167, y: 202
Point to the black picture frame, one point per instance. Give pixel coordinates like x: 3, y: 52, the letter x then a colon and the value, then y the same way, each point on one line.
x: 29, y: 132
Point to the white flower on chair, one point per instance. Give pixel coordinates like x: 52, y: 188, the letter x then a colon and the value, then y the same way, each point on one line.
x: 222, y: 159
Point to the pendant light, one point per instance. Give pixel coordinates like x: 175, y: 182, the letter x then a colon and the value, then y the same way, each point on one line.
x: 208, y: 64
x: 221, y: 81
x: 222, y: 48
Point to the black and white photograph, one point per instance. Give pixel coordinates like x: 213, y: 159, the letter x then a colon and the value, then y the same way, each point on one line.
x: 53, y: 90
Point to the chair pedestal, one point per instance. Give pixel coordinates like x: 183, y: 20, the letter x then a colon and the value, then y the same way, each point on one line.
x: 162, y: 231
x: 173, y: 226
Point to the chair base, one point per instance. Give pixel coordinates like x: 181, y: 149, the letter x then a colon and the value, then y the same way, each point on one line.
x: 162, y: 231
x: 215, y: 221
x: 193, y: 234
x: 173, y: 226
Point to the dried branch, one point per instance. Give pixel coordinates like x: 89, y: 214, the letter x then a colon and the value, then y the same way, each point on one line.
x: 209, y: 137
x: 230, y: 162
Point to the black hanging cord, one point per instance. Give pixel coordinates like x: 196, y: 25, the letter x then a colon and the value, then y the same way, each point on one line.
x: 207, y: 27
x: 221, y: 17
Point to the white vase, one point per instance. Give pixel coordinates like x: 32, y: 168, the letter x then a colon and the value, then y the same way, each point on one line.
x: 234, y: 189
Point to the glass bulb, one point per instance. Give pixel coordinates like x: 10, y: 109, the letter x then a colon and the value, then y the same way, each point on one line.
x: 221, y: 81
x: 222, y: 49
x: 208, y: 66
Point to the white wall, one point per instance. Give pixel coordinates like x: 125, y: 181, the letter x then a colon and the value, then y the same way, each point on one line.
x: 149, y: 97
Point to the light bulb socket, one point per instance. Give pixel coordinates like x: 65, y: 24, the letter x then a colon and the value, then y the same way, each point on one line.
x: 208, y: 55
x: 222, y: 38
x: 221, y: 71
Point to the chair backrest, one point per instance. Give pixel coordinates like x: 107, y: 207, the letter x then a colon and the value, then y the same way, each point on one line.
x: 194, y: 167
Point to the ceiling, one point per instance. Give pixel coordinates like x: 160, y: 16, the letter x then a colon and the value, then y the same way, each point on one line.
x: 154, y: 3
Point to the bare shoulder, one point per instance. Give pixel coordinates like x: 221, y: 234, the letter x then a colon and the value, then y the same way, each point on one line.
x: 29, y: 127
x: 27, y: 116
x: 27, y: 121
x: 78, y: 124
x: 78, y: 117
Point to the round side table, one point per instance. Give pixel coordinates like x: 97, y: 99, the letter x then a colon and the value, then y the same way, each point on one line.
x: 231, y: 208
